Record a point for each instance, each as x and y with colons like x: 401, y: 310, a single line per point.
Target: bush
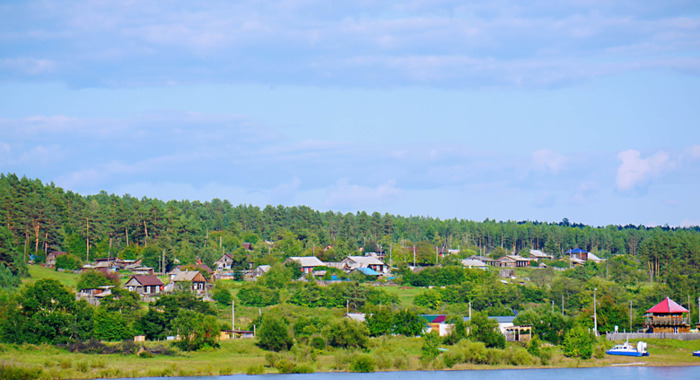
x: 222, y: 296
x: 68, y: 261
x: 303, y: 368
x: 452, y: 357
x: 475, y: 353
x: 362, y: 363
x: 348, y: 333
x: 255, y: 369
x: 258, y: 296
x: 318, y: 343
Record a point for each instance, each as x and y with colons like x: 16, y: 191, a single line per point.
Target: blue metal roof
x: 369, y: 271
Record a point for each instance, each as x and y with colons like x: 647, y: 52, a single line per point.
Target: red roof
x: 668, y: 306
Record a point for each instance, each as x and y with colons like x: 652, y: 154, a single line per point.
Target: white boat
x: 626, y: 349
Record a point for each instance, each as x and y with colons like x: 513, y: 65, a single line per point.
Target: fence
x: 678, y: 336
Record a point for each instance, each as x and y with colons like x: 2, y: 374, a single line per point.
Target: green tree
x: 45, y: 314
x: 348, y: 333
x: 483, y: 329
x: 430, y: 349
x: 408, y: 323
x: 196, y: 330
x: 578, y: 343
x: 273, y: 334
x: 70, y: 262
x: 222, y: 296
x: 380, y: 322
x: 110, y: 326
x: 257, y: 296
x: 93, y: 279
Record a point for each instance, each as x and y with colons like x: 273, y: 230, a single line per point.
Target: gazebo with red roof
x: 666, y: 317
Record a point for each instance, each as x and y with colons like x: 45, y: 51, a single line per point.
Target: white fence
x: 678, y: 336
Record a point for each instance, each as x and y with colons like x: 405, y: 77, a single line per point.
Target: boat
x: 696, y: 353
x: 626, y: 349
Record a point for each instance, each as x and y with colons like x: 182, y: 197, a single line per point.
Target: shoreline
x: 244, y: 358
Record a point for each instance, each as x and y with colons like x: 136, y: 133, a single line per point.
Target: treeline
x: 37, y: 218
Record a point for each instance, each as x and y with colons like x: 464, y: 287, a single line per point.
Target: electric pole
x: 595, y: 314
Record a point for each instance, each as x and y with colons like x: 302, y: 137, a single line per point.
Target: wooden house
x: 144, y: 285
x: 512, y: 261
x: 193, y: 280
x: 224, y: 262
x: 666, y: 317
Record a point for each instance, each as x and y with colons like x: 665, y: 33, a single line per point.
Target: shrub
x: 222, y: 296
x: 303, y: 368
x: 255, y: 369
x: 258, y: 296
x: 348, y: 333
x: 284, y: 365
x: 476, y: 353
x: 362, y: 363
x: 318, y: 342
x: 452, y: 357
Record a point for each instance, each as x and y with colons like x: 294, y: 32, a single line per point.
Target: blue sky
x: 586, y: 110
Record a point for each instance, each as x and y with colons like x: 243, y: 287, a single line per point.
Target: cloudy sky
x: 509, y: 110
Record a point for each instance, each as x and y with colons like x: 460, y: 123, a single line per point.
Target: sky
x: 508, y: 110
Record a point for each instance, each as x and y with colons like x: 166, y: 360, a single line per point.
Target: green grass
x: 36, y: 272
x: 406, y: 294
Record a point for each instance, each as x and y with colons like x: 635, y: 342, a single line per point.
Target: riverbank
x: 242, y: 356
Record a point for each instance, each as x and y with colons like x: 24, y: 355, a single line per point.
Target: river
x: 603, y: 373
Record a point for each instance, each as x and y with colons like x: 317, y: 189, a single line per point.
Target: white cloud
x: 548, y: 160
x: 635, y: 171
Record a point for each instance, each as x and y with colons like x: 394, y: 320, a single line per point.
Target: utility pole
x: 436, y: 255
x: 391, y: 249
x: 470, y: 310
x: 233, y: 317
x: 595, y: 314
x: 630, y: 315
x: 562, y: 304
x: 552, y: 306
x: 414, y: 254
x: 162, y: 267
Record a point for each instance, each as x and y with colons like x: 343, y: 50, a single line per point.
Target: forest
x: 38, y: 218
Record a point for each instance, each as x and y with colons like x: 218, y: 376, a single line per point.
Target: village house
x: 308, y: 263
x: 371, y: 262
x: 537, y: 255
x: 666, y: 317
x: 145, y: 285
x: 259, y: 271
x: 512, y: 261
x: 473, y: 263
x: 579, y: 256
x: 486, y: 260
x: 224, y: 262
x: 188, y: 280
x: 95, y: 295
